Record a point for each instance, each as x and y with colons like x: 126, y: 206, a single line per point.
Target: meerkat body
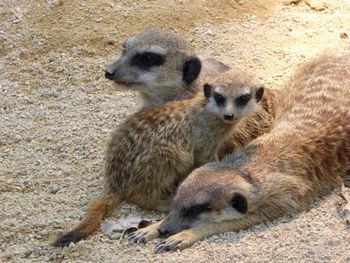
x: 279, y: 173
x: 162, y: 67
x: 155, y: 149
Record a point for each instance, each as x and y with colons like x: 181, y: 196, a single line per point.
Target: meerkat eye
x: 195, y: 210
x: 147, y: 59
x: 220, y: 100
x: 243, y: 100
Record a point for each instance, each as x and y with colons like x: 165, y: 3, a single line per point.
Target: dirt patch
x: 57, y: 112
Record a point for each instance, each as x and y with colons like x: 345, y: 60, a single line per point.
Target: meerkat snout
x: 109, y: 74
x: 228, y: 116
x: 162, y: 231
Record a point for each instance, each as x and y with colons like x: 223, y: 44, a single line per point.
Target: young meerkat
x: 161, y: 66
x: 279, y: 173
x: 155, y: 149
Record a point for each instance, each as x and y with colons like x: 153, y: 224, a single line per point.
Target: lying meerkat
x: 279, y: 173
x: 162, y: 67
x: 155, y: 149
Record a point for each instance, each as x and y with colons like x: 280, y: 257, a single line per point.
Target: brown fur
x: 279, y: 173
x: 156, y: 148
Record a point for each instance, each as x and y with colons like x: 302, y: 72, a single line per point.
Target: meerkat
x: 155, y: 149
x: 279, y: 173
x: 162, y: 67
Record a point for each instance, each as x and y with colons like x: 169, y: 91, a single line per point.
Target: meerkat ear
x: 207, y: 90
x: 191, y: 70
x: 212, y: 67
x: 259, y: 93
x: 239, y: 202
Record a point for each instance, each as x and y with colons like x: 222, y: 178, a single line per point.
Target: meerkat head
x: 155, y: 62
x: 210, y: 193
x: 233, y: 95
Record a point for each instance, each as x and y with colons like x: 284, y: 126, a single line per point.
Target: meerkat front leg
x: 146, y: 234
x: 179, y: 241
x: 187, y: 238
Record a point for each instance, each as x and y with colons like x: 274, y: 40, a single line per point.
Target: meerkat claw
x: 139, y: 240
x: 144, y: 235
x: 166, y: 246
x: 130, y: 237
x: 136, y: 238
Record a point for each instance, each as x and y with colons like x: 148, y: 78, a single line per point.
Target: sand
x: 57, y: 111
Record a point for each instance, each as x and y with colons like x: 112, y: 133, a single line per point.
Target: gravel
x: 57, y: 112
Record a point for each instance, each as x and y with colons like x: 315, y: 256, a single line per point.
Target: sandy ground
x: 57, y: 112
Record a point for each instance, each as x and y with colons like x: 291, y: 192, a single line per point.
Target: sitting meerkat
x: 155, y: 149
x: 162, y: 67
x: 279, y: 173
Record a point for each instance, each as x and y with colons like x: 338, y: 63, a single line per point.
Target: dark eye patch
x: 240, y: 203
x: 243, y: 100
x: 194, y: 210
x: 220, y: 100
x: 147, y: 60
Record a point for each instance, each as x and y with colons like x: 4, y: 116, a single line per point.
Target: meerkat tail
x: 97, y: 210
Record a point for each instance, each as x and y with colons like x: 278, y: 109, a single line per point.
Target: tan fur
x: 156, y: 148
x: 279, y: 173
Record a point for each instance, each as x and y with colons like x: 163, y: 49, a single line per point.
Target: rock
x: 343, y: 35
x: 54, y: 189
x: 66, y: 172
x: 115, y: 235
x: 72, y: 245
x: 317, y: 5
x: 44, y: 232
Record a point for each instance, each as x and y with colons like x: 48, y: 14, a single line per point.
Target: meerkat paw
x: 176, y: 242
x: 144, y: 235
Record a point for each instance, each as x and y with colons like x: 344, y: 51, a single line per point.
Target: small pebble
x: 66, y: 172
x: 344, y: 35
x: 54, y: 189
x: 116, y: 235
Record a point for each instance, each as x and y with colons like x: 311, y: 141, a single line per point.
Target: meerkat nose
x: 228, y: 116
x: 109, y: 74
x: 162, y: 231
